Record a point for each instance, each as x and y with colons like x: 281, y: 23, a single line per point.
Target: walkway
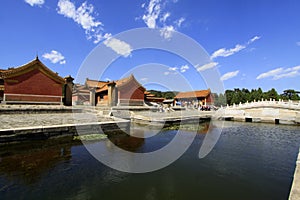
x: 295, y: 190
x: 278, y: 112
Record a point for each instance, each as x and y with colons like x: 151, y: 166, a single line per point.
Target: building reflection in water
x: 127, y: 142
x: 28, y: 161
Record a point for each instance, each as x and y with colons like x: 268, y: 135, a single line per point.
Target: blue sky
x: 251, y: 43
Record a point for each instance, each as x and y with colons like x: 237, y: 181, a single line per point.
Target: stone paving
x: 10, y: 121
x: 174, y: 114
x: 24, y: 107
x: 295, y: 190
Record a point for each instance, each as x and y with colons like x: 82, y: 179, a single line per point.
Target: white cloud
x: 84, y: 16
x: 167, y: 31
x: 286, y: 75
x: 35, y: 2
x: 207, y: 66
x: 67, y: 9
x: 165, y: 17
x: 120, y: 47
x: 229, y: 75
x: 179, y: 22
x: 55, y: 57
x: 223, y: 52
x: 155, y: 18
x: 63, y: 62
x: 152, y: 13
x: 184, y: 68
x: 173, y: 68
x: 227, y: 52
x: 254, y: 39
x: 297, y: 68
x: 280, y: 72
x: 270, y: 73
x: 144, y: 79
x: 99, y: 37
x: 298, y: 43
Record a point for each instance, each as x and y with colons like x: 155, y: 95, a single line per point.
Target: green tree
x: 259, y: 94
x: 290, y: 94
x: 229, y: 95
x: 271, y: 94
x: 219, y: 99
x: 245, y: 96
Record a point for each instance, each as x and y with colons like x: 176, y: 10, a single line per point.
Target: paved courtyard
x: 9, y: 121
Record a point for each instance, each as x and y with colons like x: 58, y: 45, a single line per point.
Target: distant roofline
x: 16, y: 71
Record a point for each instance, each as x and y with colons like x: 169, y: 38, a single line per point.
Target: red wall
x: 209, y: 99
x: 131, y: 94
x: 34, y: 82
x: 131, y: 91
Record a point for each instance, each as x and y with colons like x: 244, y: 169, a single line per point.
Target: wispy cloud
x: 223, y: 52
x: 54, y: 57
x: 206, y: 66
x: 171, y: 70
x: 227, y: 52
x: 179, y: 21
x: 280, y: 72
x: 165, y: 17
x: 287, y: 75
x: 184, y: 68
x: 144, y: 79
x: 175, y: 70
x: 253, y: 39
x: 120, y: 47
x: 229, y: 75
x: 153, y: 11
x: 35, y: 2
x: 167, y: 31
x: 155, y: 17
x: 298, y: 43
x: 84, y: 16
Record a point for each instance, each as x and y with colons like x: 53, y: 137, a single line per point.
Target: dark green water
x: 249, y: 161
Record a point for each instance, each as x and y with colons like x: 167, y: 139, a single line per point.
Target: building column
x: 93, y: 97
x: 119, y: 102
x: 112, y: 94
x: 68, y: 89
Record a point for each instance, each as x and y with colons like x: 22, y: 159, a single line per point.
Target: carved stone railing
x: 294, y: 105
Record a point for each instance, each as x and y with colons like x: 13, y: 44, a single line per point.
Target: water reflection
x: 30, y: 160
x: 250, y: 161
x: 143, y: 139
x: 127, y: 142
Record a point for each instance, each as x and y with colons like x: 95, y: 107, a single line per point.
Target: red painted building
x: 126, y: 91
x: 32, y: 83
x: 201, y: 97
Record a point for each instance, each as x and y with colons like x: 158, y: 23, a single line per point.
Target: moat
x: 249, y: 161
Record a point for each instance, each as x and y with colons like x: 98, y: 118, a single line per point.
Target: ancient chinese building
x: 34, y: 83
x: 201, y: 97
x: 124, y: 92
